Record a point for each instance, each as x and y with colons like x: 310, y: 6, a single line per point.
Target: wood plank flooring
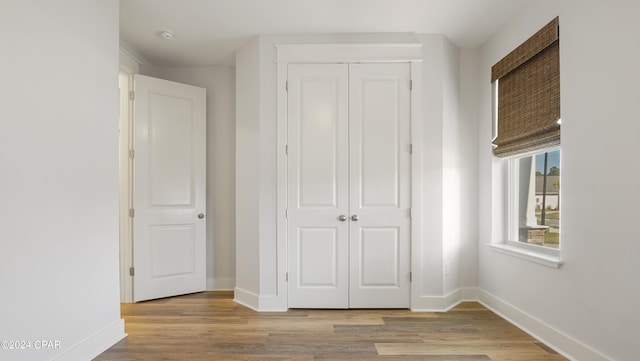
x: 210, y: 326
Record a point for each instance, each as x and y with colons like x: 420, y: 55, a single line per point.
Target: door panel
x: 380, y: 197
x: 317, y: 252
x: 172, y: 250
x: 379, y: 257
x: 169, y: 249
x: 378, y: 137
x: 318, y: 185
x: 171, y: 171
x: 317, y: 141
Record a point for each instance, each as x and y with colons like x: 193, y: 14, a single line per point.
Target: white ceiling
x: 208, y: 32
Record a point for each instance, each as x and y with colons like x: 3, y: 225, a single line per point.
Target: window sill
x: 529, y: 255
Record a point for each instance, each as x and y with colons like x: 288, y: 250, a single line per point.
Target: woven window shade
x: 529, y: 95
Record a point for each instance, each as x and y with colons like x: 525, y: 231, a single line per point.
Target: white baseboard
x: 272, y: 304
x: 258, y: 303
x: 246, y: 298
x: 95, y: 344
x: 436, y: 303
x: 557, y: 340
x: 221, y: 284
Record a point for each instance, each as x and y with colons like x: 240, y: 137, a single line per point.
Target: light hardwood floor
x: 210, y: 326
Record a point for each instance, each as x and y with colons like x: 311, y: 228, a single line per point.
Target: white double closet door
x: 349, y: 184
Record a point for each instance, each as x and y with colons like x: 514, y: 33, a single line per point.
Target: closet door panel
x: 318, y: 186
x: 380, y: 199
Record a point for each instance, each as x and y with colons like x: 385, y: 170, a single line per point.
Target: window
x: 534, y: 199
x: 527, y: 126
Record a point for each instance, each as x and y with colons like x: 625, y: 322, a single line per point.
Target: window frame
x: 550, y: 257
x: 513, y: 205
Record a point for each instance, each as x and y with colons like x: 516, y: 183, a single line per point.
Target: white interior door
x: 318, y: 167
x: 169, y: 228
x: 380, y: 185
x: 348, y: 199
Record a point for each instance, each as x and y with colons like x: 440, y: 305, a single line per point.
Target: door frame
x: 347, y: 53
x: 129, y: 65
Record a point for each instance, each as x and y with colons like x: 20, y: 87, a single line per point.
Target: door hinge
x: 132, y: 153
x: 132, y: 212
x: 410, y: 148
x: 286, y: 213
x: 132, y: 95
x: 410, y: 85
x: 286, y: 149
x: 286, y: 86
x: 286, y: 276
x: 410, y: 276
x: 132, y: 271
x: 410, y: 213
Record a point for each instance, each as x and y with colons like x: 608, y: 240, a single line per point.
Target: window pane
x: 539, y: 199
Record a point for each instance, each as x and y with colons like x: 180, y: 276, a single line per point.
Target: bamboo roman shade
x: 529, y: 94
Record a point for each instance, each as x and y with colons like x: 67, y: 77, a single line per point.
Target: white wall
x: 432, y: 268
x: 593, y: 298
x: 59, y: 183
x: 459, y: 170
x: 449, y: 190
x: 221, y: 147
x: 468, y: 131
x: 452, y: 181
x: 247, y: 170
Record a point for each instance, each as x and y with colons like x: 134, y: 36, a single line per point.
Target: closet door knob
x: 342, y: 218
x: 355, y: 218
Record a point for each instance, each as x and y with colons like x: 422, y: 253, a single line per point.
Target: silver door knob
x: 342, y: 218
x: 355, y: 218
x: 200, y: 215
